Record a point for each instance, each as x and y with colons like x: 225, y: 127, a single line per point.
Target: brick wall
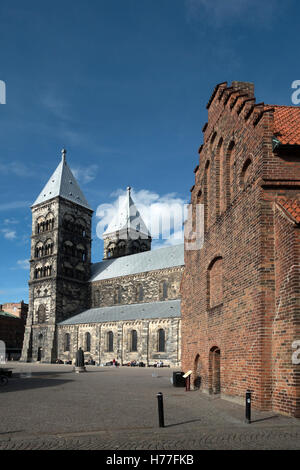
x: 229, y: 290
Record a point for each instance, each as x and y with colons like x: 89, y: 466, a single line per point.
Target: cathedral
x: 126, y: 307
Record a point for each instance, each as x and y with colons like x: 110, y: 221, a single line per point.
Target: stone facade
x: 140, y: 288
x: 60, y: 286
x: 147, y: 350
x: 59, y: 271
x: 240, y: 292
x: 143, y: 287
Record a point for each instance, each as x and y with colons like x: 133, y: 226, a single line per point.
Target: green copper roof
x: 6, y: 314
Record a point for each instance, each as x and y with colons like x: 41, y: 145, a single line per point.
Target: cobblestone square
x: 51, y: 407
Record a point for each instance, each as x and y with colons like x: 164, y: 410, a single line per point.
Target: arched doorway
x: 197, y: 372
x: 215, y: 370
x: 40, y: 353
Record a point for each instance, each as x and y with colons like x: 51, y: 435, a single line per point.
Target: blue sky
x: 123, y: 85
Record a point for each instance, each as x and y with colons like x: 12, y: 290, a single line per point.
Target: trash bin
x: 178, y: 380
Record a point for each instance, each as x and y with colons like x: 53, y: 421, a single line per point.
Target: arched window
x: 96, y: 298
x: 163, y: 290
x: 41, y: 314
x: 40, y: 225
x: 118, y: 295
x: 196, y: 213
x: 111, y: 251
x: 245, y: 173
x: 88, y: 342
x: 79, y: 272
x: 46, y: 271
x: 69, y: 248
x: 229, y: 174
x: 68, y: 223
x: 68, y: 269
x: 207, y: 196
x: 110, y: 341
x: 80, y: 227
x: 121, y: 248
x: 215, y: 282
x: 218, y: 159
x: 133, y: 340
x: 67, y: 342
x: 39, y: 250
x: 80, y: 252
x: 161, y: 340
x: 136, y: 247
x: 49, y: 225
x: 139, y: 293
x: 213, y: 138
x: 48, y: 247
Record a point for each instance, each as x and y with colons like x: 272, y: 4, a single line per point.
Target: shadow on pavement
x: 182, y: 422
x: 17, y: 384
x: 264, y: 419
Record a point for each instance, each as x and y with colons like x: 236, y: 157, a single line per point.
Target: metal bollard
x: 160, y: 410
x: 248, y: 406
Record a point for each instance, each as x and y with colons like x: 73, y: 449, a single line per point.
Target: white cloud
x: 10, y: 221
x: 55, y: 105
x: 8, y: 234
x: 14, y: 205
x: 85, y: 174
x: 163, y: 215
x: 15, y: 168
x: 23, y: 263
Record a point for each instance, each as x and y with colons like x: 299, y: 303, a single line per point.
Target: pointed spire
x: 127, y: 233
x: 62, y: 183
x: 128, y: 218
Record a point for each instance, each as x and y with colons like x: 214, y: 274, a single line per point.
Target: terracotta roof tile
x: 292, y: 206
x: 286, y: 124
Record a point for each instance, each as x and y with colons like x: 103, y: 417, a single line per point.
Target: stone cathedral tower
x: 60, y: 262
x: 127, y: 233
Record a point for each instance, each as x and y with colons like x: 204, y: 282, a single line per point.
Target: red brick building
x: 12, y: 327
x: 240, y: 291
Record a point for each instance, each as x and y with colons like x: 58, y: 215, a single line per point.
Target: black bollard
x: 160, y: 410
x: 248, y: 406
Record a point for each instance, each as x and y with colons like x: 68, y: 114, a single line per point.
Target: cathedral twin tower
x: 60, y: 261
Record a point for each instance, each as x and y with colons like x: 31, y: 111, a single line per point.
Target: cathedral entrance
x: 215, y: 370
